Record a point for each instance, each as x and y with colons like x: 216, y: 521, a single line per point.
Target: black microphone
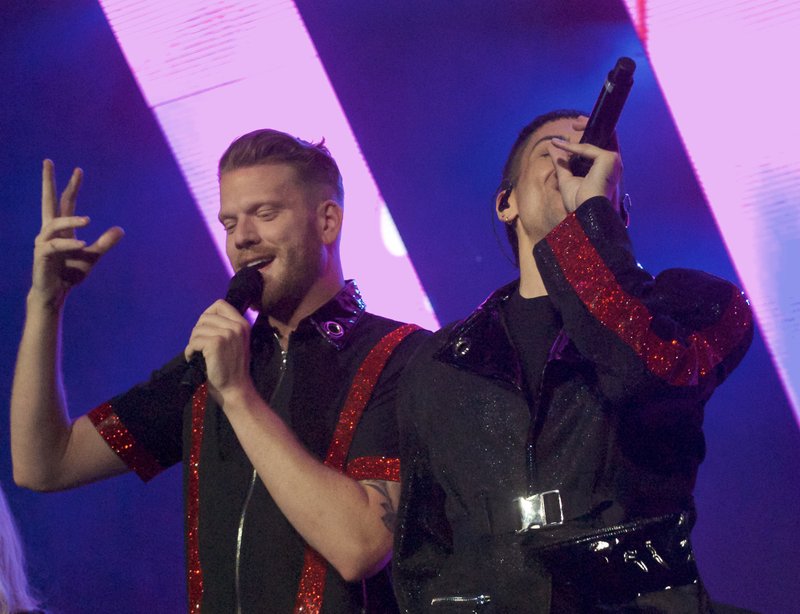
x: 606, y: 112
x: 244, y: 291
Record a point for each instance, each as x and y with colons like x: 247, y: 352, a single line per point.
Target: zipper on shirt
x: 474, y: 600
x: 253, y: 478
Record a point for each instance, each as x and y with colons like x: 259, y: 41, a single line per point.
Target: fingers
x: 580, y: 123
x: 582, y: 149
x: 70, y: 195
x: 60, y: 233
x: 62, y: 227
x: 107, y: 240
x: 220, y: 320
x: 48, y: 192
x: 49, y: 199
x: 62, y: 246
x: 560, y: 159
x: 224, y: 315
x: 609, y: 160
x: 601, y: 180
x: 222, y: 336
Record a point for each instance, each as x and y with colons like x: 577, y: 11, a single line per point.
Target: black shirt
x: 533, y: 324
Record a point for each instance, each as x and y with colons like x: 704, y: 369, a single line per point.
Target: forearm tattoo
x: 389, y: 517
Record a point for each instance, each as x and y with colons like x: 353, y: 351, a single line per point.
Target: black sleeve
x: 681, y: 332
x: 144, y: 425
x: 376, y: 435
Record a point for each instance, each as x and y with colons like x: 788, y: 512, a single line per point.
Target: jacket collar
x: 336, y: 319
x: 480, y: 343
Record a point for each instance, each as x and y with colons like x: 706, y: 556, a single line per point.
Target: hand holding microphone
x: 605, y: 114
x: 244, y: 291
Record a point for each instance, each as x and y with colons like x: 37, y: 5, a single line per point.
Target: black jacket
x: 616, y: 427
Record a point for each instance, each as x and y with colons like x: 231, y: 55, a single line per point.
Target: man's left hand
x: 601, y: 180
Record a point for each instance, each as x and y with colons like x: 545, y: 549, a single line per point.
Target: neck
x: 530, y: 280
x: 323, y: 290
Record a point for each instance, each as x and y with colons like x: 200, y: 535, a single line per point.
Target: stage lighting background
x: 434, y: 98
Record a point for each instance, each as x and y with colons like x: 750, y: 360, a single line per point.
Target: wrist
x: 239, y: 397
x: 42, y: 302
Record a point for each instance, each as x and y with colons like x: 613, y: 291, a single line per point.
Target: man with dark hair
x: 550, y: 441
x: 290, y: 446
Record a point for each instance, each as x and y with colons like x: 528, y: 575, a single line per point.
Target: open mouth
x: 258, y: 264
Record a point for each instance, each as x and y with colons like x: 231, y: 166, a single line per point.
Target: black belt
x: 493, y: 516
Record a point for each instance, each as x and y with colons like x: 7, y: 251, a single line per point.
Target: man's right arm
x: 48, y: 451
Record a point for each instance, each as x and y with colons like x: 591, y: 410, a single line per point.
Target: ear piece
x: 504, y: 201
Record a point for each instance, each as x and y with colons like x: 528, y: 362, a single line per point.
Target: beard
x: 302, y: 266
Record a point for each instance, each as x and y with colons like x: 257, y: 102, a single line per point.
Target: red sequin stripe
x: 312, y: 583
x: 629, y: 318
x: 312, y: 579
x: 121, y: 440
x: 195, y: 572
x: 374, y: 468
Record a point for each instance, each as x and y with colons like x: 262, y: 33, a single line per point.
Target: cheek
x: 230, y: 248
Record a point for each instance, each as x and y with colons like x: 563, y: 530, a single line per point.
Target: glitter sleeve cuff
x: 591, y: 251
x: 122, y: 442
x: 374, y: 468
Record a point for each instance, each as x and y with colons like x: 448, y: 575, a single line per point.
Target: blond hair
x: 15, y: 594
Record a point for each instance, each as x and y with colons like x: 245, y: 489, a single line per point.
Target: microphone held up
x: 605, y: 114
x: 244, y: 291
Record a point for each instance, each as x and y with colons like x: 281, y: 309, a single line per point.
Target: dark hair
x: 312, y: 161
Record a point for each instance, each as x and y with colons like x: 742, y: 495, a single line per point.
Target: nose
x: 245, y: 234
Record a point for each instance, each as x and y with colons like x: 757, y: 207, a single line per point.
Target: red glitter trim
x: 312, y: 583
x: 360, y: 393
x: 630, y: 319
x: 312, y: 580
x: 374, y: 468
x: 195, y: 572
x: 122, y: 441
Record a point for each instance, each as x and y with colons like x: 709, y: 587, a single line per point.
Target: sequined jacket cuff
x: 683, y: 328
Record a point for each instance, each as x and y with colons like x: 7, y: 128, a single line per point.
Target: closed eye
x: 269, y: 214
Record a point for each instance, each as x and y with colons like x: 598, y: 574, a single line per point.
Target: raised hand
x: 601, y: 180
x: 60, y: 259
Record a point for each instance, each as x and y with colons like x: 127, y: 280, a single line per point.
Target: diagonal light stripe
x: 212, y: 70
x: 724, y: 67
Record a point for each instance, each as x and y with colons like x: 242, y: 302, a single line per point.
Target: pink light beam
x: 726, y: 69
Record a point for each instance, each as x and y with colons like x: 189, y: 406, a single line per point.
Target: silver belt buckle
x: 533, y: 512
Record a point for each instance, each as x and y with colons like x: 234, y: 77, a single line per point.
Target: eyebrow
x: 550, y: 138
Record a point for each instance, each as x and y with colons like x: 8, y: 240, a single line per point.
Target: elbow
x: 363, y: 562
x: 33, y: 480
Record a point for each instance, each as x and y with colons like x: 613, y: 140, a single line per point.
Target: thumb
x: 107, y: 240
